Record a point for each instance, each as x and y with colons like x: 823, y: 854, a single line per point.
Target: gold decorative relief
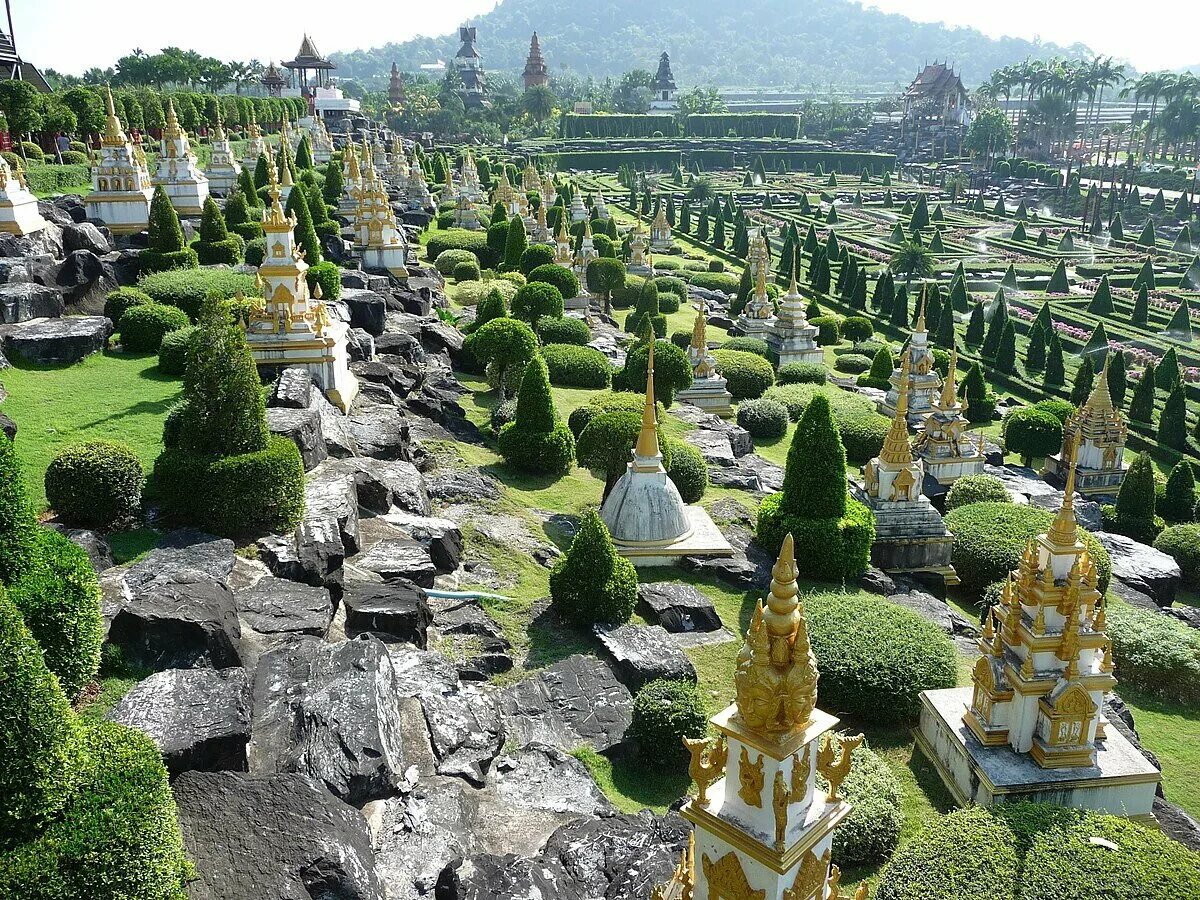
x: 801, y: 769
x: 835, y: 768
x: 751, y: 777
x: 810, y: 879
x: 727, y: 880
x: 707, y: 763
x: 780, y: 798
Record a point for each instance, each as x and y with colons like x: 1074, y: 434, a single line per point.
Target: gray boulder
x: 329, y: 711
x: 574, y: 701
x: 278, y: 837
x: 461, y: 485
x: 303, y: 428
x: 198, y: 718
x: 937, y: 611
x: 280, y: 608
x: 86, y: 281
x: 1142, y: 568
x: 57, y: 341
x: 643, y: 653
x: 678, y: 607
x: 385, y: 484
x: 395, y: 610
x: 97, y: 548
x: 293, y: 389
x: 380, y: 431
x: 85, y: 236
x: 7, y: 425
x: 466, y: 634
x: 23, y: 300
x: 368, y: 310
x: 360, y: 345
x: 399, y: 558
x: 713, y: 446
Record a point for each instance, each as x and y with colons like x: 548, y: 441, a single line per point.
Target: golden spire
x: 220, y: 135
x: 1063, y: 531
x: 172, y: 129
x: 949, y: 388
x: 352, y: 171
x: 699, y: 331
x: 793, y: 288
x: 760, y: 280
x: 274, y: 216
x: 113, y: 135
x: 921, y: 316
x: 647, y: 442
x: 286, y: 178
x: 896, y: 450
x: 776, y: 678
x: 587, y: 229
x: 562, y: 237
x: 1100, y: 400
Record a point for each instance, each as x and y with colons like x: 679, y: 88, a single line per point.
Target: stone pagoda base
x: 709, y: 394
x: 1089, y: 482
x: 20, y: 216
x: 643, y: 271
x: 325, y: 358
x: 186, y: 196
x: 221, y: 181
x: 1122, y: 783
x: 910, y: 536
x: 947, y: 471
x: 795, y: 347
x: 125, y: 213
x: 703, y: 538
x: 755, y: 328
x: 391, y: 259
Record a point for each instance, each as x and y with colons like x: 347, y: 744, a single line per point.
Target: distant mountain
x: 745, y: 43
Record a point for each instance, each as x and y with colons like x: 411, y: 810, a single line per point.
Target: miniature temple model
x: 223, y: 169
x: 763, y: 826
x: 536, y: 73
x: 638, y: 263
x: 178, y: 172
x: 469, y: 66
x: 647, y: 518
x: 921, y: 383
x: 943, y: 445
x: 662, y: 89
x: 577, y: 209
x: 708, y: 390
x: 660, y: 232
x: 290, y: 326
x: 600, y: 207
x: 1032, y: 725
x: 758, y: 318
x: 121, y: 188
x: 540, y: 233
x: 379, y: 241
x: 562, y: 245
x: 18, y: 206
x: 791, y: 338
x: 255, y: 146
x: 351, y: 182
x: 910, y: 535
x: 1100, y: 433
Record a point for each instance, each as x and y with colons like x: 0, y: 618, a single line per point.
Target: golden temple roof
x: 647, y: 442
x: 896, y: 449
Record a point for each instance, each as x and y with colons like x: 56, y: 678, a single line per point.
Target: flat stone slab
x: 1142, y: 567
x: 644, y: 653
x: 678, y: 607
x: 22, y: 301
x: 277, y: 606
x: 713, y: 446
x: 57, y: 341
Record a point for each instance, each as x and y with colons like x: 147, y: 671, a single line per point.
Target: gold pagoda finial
x: 949, y: 388
x: 286, y: 178
x: 1100, y: 400
x: 220, y: 126
x: 352, y: 170
x: 172, y: 129
x: 113, y: 135
x: 776, y: 677
x: 921, y: 315
x: 562, y: 237
x: 647, y: 442
x: 699, y: 331
x: 1063, y: 530
x: 896, y: 450
x: 587, y: 229
x: 793, y: 288
x: 760, y: 280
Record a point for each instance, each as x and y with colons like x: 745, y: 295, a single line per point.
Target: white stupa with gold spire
x: 379, y: 240
x: 709, y: 390
x: 531, y: 179
x: 319, y: 139
x: 759, y: 254
x: 577, y: 210
x: 944, y: 444
x: 763, y: 826
x: 1032, y: 725
x: 18, y: 206
x: 286, y: 183
x: 549, y: 191
x: 660, y: 232
x: 255, y: 145
x: 541, y: 229
x: 922, y: 383
x: 178, y: 172
x: 121, y: 185
x: 351, y: 182
x: 648, y: 520
x: 910, y: 535
x: 468, y: 184
x: 792, y: 338
x: 600, y: 206
x: 506, y: 195
x: 638, y: 263
x: 418, y: 194
x: 758, y: 318
x: 1100, y: 433
x: 223, y: 169
x: 290, y: 326
x: 562, y: 245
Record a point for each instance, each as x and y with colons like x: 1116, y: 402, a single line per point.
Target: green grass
x: 108, y: 396
x: 1172, y: 731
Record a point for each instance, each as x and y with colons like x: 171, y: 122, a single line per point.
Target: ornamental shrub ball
x: 763, y: 418
x: 559, y: 276
x: 872, y: 830
x: 448, y: 259
x: 1178, y: 502
x: 537, y: 440
x: 534, y: 256
x: 1155, y: 654
x: 1182, y: 543
x: 562, y: 331
x: 801, y: 373
x: 686, y: 468
x: 665, y: 711
x: 880, y: 374
x: 591, y: 583
x: 857, y: 328
x: 143, y: 327
x: 605, y: 442
x: 216, y: 246
x: 828, y: 330
x: 1060, y: 409
x: 875, y: 656
x: 605, y: 277
x: 95, y: 484
x: 190, y: 289
x: 327, y: 275
x: 852, y: 363
x: 467, y: 270
x: 747, y: 375
x: 167, y: 249
x: 122, y: 299
x: 672, y: 370
x: 502, y: 345
x: 1030, y: 432
x: 977, y: 489
x: 172, y: 352
x: 535, y: 301
x: 571, y: 365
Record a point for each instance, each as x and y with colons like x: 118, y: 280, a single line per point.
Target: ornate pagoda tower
x: 549, y: 192
x: 290, y: 326
x: 660, y: 231
x: 418, y: 195
x: 531, y: 179
x: 1099, y: 432
x: 662, y: 89
x: 322, y: 142
x: 638, y: 244
x: 536, y: 73
x: 18, y: 206
x: 910, y: 536
x: 1032, y: 726
x: 379, y: 240
x: 541, y: 229
x: 223, y: 169
x: 760, y: 252
x: 505, y: 193
x: 562, y: 245
x: 469, y: 65
x: 577, y: 209
x: 763, y: 827
x: 469, y: 184
x: 272, y: 80
x: 791, y: 338
x: 352, y: 182
x: 396, y: 99
x: 758, y: 318
x: 943, y: 445
x: 708, y: 390
x: 255, y: 146
x: 178, y: 172
x: 121, y: 187
x: 922, y: 384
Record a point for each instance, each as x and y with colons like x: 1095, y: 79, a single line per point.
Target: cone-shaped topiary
x: 1096, y: 347
x: 1058, y: 281
x: 1178, y: 503
x: 1180, y: 326
x: 1006, y: 350
x: 1141, y: 306
x: 17, y: 524
x: 1166, y: 374
x: 1158, y: 204
x: 1147, y: 237
x: 591, y: 583
x: 1102, y: 304
x: 899, y: 315
x: 1010, y: 278
x: 1135, y: 507
x: 1018, y: 233
x: 238, y: 216
x: 537, y: 440
x: 647, y: 308
x: 1118, y: 382
x: 858, y: 297
x: 976, y: 325
x: 880, y: 374
x: 995, y: 326
x: 884, y: 294
x: 1081, y: 387
x: 245, y: 184
x: 981, y: 402
x: 1035, y: 351
x: 1145, y: 276
x: 260, y: 173
x: 167, y: 249
x: 814, y: 484
x: 1117, y: 229
x: 1056, y: 373
x: 306, y: 234
x: 1172, y: 425
x: 490, y: 307
x: 514, y: 245
x: 304, y: 157
x: 216, y: 245
x: 334, y: 184
x: 1141, y: 406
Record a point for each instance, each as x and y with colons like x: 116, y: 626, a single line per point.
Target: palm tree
x: 538, y: 103
x: 912, y: 259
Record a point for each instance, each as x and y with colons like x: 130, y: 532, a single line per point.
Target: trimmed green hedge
x: 845, y: 542
x: 977, y: 489
x: 875, y: 656
x: 801, y: 373
x: 747, y: 374
x: 188, y: 288
x: 872, y: 830
x: 598, y: 126
x: 1182, y: 543
x: 664, y: 713
x: 53, y: 179
x: 95, y: 484
x: 122, y: 299
x: 763, y: 418
x: 462, y: 239
x: 143, y: 326
x: 574, y: 366
x: 686, y: 468
x: 172, y: 352
x: 1155, y: 653
x: 563, y: 331
x: 861, y: 428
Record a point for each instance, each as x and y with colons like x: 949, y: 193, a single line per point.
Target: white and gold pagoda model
x: 469, y: 182
x: 660, y: 231
x: 648, y: 520
x: 507, y: 195
x: 255, y: 145
x: 639, y: 264
x: 578, y: 211
x: 758, y: 318
x: 763, y: 826
x: 922, y: 383
x: 178, y: 173
x: 600, y: 206
x: 352, y: 182
x: 759, y: 254
x: 465, y: 214
x: 18, y: 207
x: 121, y: 186
x: 1100, y: 451
x: 549, y: 192
x: 223, y: 169
x: 1032, y: 725
x: 397, y: 171
x: 580, y: 260
x: 290, y: 326
x: 708, y: 390
x: 562, y: 245
x: 541, y: 230
x: 319, y: 140
x: 944, y: 444
x: 285, y: 170
x: 531, y: 179
x: 418, y: 195
x: 791, y: 338
x: 379, y: 241
x: 910, y: 535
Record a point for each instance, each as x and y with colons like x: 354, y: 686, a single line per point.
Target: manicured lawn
x: 108, y: 396
x: 1172, y: 731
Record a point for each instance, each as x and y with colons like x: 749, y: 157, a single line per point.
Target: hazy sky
x: 72, y: 35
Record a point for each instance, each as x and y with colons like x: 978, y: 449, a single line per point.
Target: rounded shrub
x: 534, y: 256
x: 559, y: 276
x: 763, y: 418
x: 95, y: 484
x: 665, y: 711
x: 857, y: 328
x: 256, y: 251
x: 801, y: 373
x: 672, y: 371
x: 1154, y: 653
x: 143, y: 327
x: 716, y: 281
x: 977, y: 489
x: 872, y: 830
x: 748, y: 345
x: 603, y: 402
x: 748, y: 375
x: 471, y: 293
x: 989, y: 539
x: 627, y: 294
x: 1030, y: 432
x: 563, y: 331
x: 465, y: 271
x: 448, y: 259
x: 537, y: 440
x: 515, y: 277
x: 535, y: 301
x: 1182, y: 543
x: 591, y: 583
x: 828, y: 330
x: 172, y: 352
x: 966, y: 855
x: 574, y: 366
x: 686, y: 468
x: 60, y: 599
x: 876, y: 656
x: 852, y: 363
x: 1060, y: 409
x: 122, y: 299
x: 189, y: 288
